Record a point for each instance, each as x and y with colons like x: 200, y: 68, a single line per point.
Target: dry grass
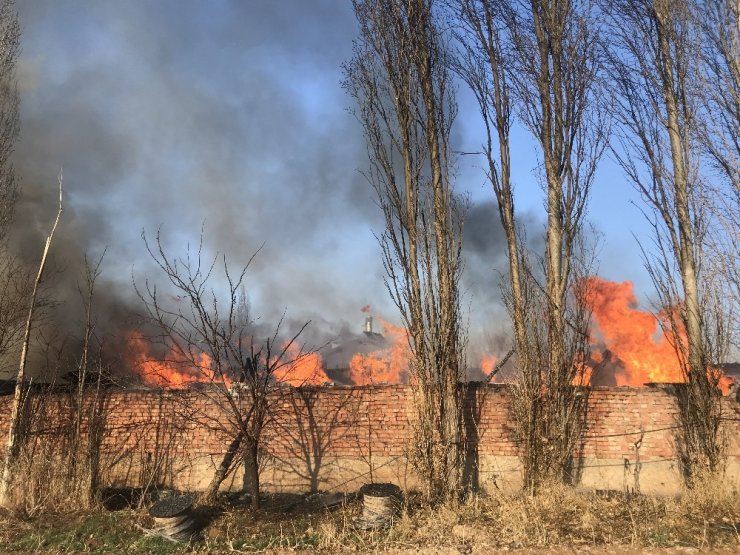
x: 560, y: 516
x: 45, y: 481
x: 39, y: 484
x: 57, y: 469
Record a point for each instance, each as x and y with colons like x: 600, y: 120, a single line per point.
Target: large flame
x: 178, y: 371
x: 632, y: 335
x: 389, y: 365
x: 173, y: 371
x: 633, y: 340
x: 299, y: 368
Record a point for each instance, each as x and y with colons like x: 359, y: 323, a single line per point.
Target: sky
x: 230, y: 116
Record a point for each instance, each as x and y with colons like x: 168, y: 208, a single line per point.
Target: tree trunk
x: 252, y: 473
x: 448, y: 371
x: 697, y: 370
x: 209, y: 495
x: 399, y: 78
x: 19, y: 397
x: 700, y: 413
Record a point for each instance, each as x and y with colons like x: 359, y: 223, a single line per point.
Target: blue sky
x: 174, y: 113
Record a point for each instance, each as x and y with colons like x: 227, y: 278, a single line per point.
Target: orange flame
x: 633, y: 337
x: 300, y: 368
x: 723, y: 381
x: 388, y: 365
x: 173, y: 371
x: 176, y: 371
x: 487, y: 364
x: 584, y: 371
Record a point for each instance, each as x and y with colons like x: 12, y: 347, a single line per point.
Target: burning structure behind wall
x: 627, y: 349
x: 628, y: 346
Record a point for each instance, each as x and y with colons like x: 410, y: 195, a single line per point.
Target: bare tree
x: 483, y: 64
x: 211, y: 338
x: 719, y: 24
x: 655, y: 66
x: 13, y: 277
x: 13, y: 293
x: 399, y: 78
x: 84, y: 456
x: 541, y: 60
x: 15, y: 432
x: 10, y: 39
x: 556, y: 75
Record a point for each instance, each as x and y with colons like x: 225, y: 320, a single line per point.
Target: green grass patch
x: 96, y: 532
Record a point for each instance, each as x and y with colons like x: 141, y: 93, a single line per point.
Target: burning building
x: 628, y: 348
x: 369, y: 357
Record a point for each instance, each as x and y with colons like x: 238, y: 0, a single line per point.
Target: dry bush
x: 559, y: 514
x: 562, y: 515
x: 709, y: 495
x: 57, y: 470
x: 40, y: 483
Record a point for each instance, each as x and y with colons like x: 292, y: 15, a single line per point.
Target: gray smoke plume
x: 181, y: 114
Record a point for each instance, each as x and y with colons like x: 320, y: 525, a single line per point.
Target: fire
x: 174, y: 371
x: 388, y: 365
x: 584, y: 371
x: 177, y: 371
x: 487, y: 364
x: 632, y: 337
x: 300, y: 368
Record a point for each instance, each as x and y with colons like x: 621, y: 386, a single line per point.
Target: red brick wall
x: 620, y: 417
x: 320, y: 437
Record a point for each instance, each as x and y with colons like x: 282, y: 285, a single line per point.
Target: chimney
x: 369, y: 324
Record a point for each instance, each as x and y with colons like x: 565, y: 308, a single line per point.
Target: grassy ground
x: 559, y: 518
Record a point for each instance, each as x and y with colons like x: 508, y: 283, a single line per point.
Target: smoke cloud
x: 179, y: 114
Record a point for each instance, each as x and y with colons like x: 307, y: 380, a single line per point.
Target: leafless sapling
x: 211, y: 336
x: 15, y: 434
